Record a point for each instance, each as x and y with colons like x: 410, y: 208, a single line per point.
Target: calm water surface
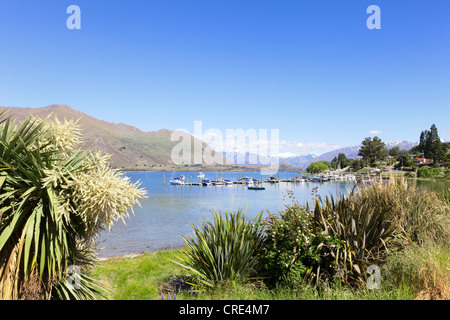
x: 169, y: 210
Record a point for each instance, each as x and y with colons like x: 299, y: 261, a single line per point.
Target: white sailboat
x: 201, y: 175
x: 228, y: 182
x: 177, y: 180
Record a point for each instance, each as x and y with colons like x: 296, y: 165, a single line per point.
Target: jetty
x: 290, y: 178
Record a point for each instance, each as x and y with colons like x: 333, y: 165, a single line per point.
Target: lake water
x: 169, y: 210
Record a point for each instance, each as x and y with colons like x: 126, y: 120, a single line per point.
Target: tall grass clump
x: 423, y: 271
x: 224, y: 249
x: 423, y: 214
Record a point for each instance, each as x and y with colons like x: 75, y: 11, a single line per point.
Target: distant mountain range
x: 132, y: 148
x: 128, y: 146
x: 350, y: 152
x: 303, y: 161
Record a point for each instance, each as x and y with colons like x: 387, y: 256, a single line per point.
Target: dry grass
x: 422, y: 213
x: 435, y: 279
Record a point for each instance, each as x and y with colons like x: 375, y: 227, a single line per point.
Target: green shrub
x: 435, y: 171
x: 296, y: 249
x: 225, y: 249
x: 423, y: 172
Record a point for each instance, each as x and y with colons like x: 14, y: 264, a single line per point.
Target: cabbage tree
x: 54, y: 200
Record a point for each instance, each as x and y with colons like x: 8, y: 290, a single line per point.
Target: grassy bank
x: 138, y: 277
x: 414, y: 274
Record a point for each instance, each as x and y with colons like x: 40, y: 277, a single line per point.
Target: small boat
x: 206, y: 182
x: 320, y: 178
x: 247, y: 180
x: 298, y: 179
x: 218, y: 182
x: 177, y: 180
x: 273, y: 179
x: 256, y: 188
x: 201, y: 175
x: 228, y: 182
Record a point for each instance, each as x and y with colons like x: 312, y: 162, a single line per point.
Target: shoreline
x: 135, y: 255
x: 205, y: 169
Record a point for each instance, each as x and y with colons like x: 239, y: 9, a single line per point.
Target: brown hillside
x: 128, y: 146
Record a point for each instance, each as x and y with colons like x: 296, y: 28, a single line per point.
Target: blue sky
x: 311, y: 69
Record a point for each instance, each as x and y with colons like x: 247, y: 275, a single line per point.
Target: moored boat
x: 206, y: 182
x: 218, y: 182
x: 320, y: 178
x: 177, y: 180
x: 228, y: 182
x: 256, y: 188
x: 201, y: 175
x: 247, y: 180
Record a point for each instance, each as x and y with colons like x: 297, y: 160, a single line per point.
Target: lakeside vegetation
x: 303, y: 253
x: 430, y: 159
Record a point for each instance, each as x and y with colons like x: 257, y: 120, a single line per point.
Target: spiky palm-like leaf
x: 40, y: 220
x: 224, y: 249
x: 367, y: 226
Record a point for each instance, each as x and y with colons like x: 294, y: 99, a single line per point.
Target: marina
x: 170, y: 210
x: 178, y: 200
x: 300, y: 177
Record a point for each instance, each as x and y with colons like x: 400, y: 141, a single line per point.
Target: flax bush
x: 225, y: 249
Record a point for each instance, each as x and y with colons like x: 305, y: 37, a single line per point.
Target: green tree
x: 434, y: 148
x: 318, y: 166
x: 356, y: 165
x: 394, y: 151
x: 447, y: 160
x: 54, y: 201
x: 373, y: 149
x: 333, y: 163
x: 405, y: 161
x: 430, y: 145
x: 422, y: 142
x: 342, y: 160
